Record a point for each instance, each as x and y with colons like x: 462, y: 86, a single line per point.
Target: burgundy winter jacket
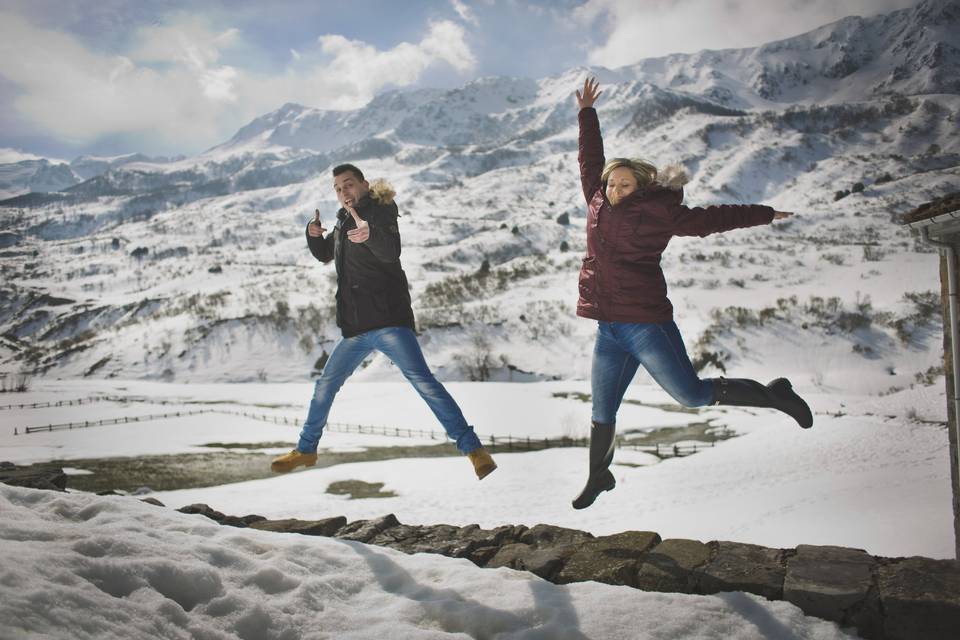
x: 621, y: 279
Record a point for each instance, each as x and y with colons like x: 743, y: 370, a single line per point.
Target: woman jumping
x: 633, y: 210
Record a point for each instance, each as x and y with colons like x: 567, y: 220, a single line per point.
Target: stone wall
x: 883, y: 598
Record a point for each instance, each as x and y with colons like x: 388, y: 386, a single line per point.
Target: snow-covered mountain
x: 195, y: 268
x: 22, y: 174
x: 39, y: 175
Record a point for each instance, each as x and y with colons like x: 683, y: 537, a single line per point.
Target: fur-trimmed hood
x: 382, y: 191
x: 673, y: 177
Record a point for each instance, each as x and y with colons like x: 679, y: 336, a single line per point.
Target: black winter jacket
x: 372, y: 290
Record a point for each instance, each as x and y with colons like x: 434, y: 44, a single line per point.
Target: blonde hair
x: 643, y: 171
x: 673, y: 176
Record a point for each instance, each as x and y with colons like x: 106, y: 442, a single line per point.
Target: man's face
x: 349, y: 188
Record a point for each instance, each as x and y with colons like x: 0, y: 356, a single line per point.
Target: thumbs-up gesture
x: 315, y: 228
x: 362, y: 232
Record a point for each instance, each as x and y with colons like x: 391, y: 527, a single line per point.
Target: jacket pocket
x: 370, y: 305
x: 588, y: 280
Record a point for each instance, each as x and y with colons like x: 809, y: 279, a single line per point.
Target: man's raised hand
x: 362, y: 232
x: 315, y: 228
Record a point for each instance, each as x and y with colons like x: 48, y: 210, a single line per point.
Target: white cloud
x: 637, y: 30
x: 466, y: 13
x: 173, y: 91
x: 8, y: 155
x: 345, y: 74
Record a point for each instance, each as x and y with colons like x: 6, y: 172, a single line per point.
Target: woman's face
x: 620, y: 184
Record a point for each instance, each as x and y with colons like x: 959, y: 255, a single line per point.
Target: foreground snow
x: 82, y: 566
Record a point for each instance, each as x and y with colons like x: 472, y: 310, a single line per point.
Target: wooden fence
x: 494, y: 443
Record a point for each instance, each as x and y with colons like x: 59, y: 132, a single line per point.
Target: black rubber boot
x: 779, y: 394
x: 601, y: 455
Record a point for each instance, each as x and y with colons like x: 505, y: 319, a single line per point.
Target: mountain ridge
x: 195, y: 268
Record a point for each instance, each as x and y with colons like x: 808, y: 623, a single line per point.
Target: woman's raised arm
x: 591, y: 143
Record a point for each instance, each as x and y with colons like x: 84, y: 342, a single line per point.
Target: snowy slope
x: 195, y: 268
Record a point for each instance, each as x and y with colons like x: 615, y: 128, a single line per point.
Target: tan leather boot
x: 483, y: 464
x: 290, y: 461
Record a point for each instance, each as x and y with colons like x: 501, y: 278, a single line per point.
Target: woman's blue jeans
x: 623, y: 346
x: 401, y: 346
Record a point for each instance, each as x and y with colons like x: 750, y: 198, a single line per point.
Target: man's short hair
x: 343, y: 168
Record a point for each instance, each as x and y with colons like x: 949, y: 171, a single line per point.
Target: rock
x: 670, y: 566
x: 44, y: 476
x: 611, y: 559
x: 546, y: 562
x: 543, y: 550
x: 833, y: 583
x: 438, y: 538
x: 481, y: 556
x: 484, y: 543
x: 241, y: 522
x: 743, y: 567
x: 366, y: 530
x: 399, y: 536
x: 920, y: 598
x: 326, y: 527
x: 455, y: 542
x: 547, y: 534
x: 510, y: 555
x: 204, y: 510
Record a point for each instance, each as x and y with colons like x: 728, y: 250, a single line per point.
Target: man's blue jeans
x: 623, y: 346
x: 401, y: 346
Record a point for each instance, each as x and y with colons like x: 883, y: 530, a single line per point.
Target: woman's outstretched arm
x: 702, y: 221
x: 591, y: 143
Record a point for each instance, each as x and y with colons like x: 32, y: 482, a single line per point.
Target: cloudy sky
x: 178, y: 76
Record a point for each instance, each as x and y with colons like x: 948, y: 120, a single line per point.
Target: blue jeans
x: 401, y: 346
x: 623, y: 346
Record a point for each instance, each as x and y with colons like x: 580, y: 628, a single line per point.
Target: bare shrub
x: 477, y: 359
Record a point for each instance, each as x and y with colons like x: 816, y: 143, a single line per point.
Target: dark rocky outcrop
x: 326, y: 527
x: 736, y: 566
x: 49, y: 477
